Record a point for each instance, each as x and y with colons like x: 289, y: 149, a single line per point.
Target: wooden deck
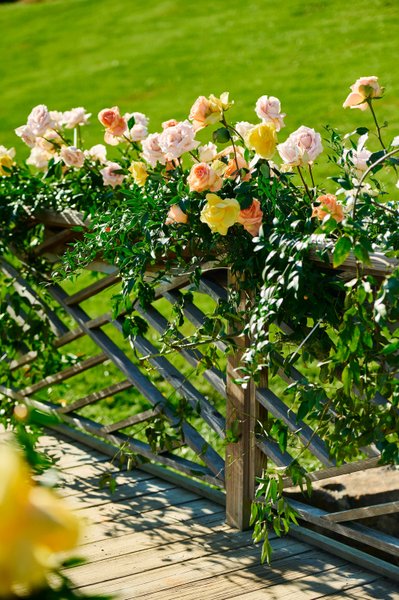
x: 153, y: 540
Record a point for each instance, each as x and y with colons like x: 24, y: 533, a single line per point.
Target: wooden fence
x: 194, y: 453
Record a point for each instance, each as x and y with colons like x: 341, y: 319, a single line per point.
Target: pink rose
x: 242, y: 128
x: 169, y: 123
x: 268, y: 108
x: 112, y: 120
x: 302, y: 147
x: 202, y: 177
x: 365, y: 88
x: 139, y: 130
x: 251, y: 218
x: 176, y: 215
x: 72, y: 156
x: 26, y: 135
x: 234, y: 166
x: 328, y: 206
x: 40, y: 120
x: 152, y: 152
x: 97, y: 152
x: 39, y: 157
x: 74, y: 117
x: 175, y: 141
x: 111, y: 174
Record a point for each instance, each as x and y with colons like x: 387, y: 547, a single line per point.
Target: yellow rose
x: 208, y: 111
x: 220, y: 214
x: 6, y: 160
x: 34, y: 526
x: 139, y: 172
x: 263, y: 139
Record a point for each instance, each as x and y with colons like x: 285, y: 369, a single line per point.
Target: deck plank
x: 154, y: 540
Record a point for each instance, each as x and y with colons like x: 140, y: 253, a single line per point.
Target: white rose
x: 40, y: 120
x: 50, y: 141
x: 175, y: 141
x: 57, y: 118
x: 268, y: 108
x: 97, y: 152
x: 242, y: 128
x: 207, y: 152
x: 39, y: 157
x: 139, y: 130
x: 74, y: 117
x: 111, y: 176
x: 72, y: 156
x: 152, y: 152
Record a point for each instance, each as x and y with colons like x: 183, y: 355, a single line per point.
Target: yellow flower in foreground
x: 34, y: 526
x: 263, y: 139
x: 139, y: 172
x: 220, y: 214
x: 6, y: 160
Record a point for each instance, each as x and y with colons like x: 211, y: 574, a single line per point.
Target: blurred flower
x: 139, y: 130
x: 328, y: 206
x: 74, y: 117
x: 6, y: 160
x: 207, y: 152
x: 139, y: 172
x: 112, y: 175
x: 97, y: 152
x: 112, y: 121
x: 152, y: 152
x: 40, y: 120
x: 208, y: 111
x: 35, y: 525
x: 176, y: 215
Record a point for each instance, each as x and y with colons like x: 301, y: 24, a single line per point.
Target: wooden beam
x: 363, y: 512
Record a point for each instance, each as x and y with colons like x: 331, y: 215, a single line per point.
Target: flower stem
x: 370, y: 103
x: 305, y: 185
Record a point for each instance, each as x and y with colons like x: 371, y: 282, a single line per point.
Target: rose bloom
x: 139, y: 172
x: 74, y: 117
x: 175, y: 141
x: 208, y: 111
x: 39, y: 157
x: 302, y: 147
x: 112, y: 120
x: 251, y: 218
x: 152, y: 152
x: 365, y: 88
x: 202, y: 177
x: 242, y: 128
x: 58, y: 118
x: 263, y: 139
x: 328, y: 206
x: 268, y: 108
x: 26, y: 135
x: 176, y: 215
x: 97, y: 152
x: 139, y: 130
x: 35, y: 527
x: 169, y: 123
x: 40, y: 120
x: 72, y: 156
x: 49, y: 141
x: 111, y: 176
x: 207, y: 152
x: 220, y: 214
x: 233, y: 167
x: 6, y: 160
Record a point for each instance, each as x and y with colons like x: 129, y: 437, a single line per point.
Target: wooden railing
x: 196, y: 450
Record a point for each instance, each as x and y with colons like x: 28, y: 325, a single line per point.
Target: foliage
x: 169, y: 205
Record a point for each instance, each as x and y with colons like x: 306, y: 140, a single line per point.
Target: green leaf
x: 221, y: 135
x: 362, y: 254
x: 131, y: 122
x: 341, y: 250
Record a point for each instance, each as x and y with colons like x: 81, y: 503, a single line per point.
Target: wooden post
x: 244, y: 461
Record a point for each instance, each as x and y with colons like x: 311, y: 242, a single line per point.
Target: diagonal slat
x: 96, y: 396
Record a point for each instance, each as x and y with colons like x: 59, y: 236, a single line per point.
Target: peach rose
x: 208, y: 111
x: 365, y: 88
x: 202, y: 177
x: 220, y: 214
x: 251, y: 218
x: 112, y: 121
x: 233, y: 167
x: 111, y: 174
x: 207, y: 152
x: 268, y: 108
x: 169, y: 123
x: 328, y: 206
x: 72, y: 157
x: 176, y: 215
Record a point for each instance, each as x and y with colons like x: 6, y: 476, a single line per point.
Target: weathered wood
x: 278, y: 409
x: 84, y: 365
x: 271, y: 450
x: 93, y: 289
x: 96, y: 396
x: 130, y: 421
x: 363, y: 512
x: 322, y: 474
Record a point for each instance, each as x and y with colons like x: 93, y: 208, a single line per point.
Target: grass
x: 159, y: 56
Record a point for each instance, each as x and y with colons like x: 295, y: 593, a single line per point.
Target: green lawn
x: 158, y: 56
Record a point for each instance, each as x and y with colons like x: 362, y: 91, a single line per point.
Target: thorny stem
x: 370, y: 103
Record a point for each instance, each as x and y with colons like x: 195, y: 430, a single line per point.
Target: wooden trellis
x: 244, y: 458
